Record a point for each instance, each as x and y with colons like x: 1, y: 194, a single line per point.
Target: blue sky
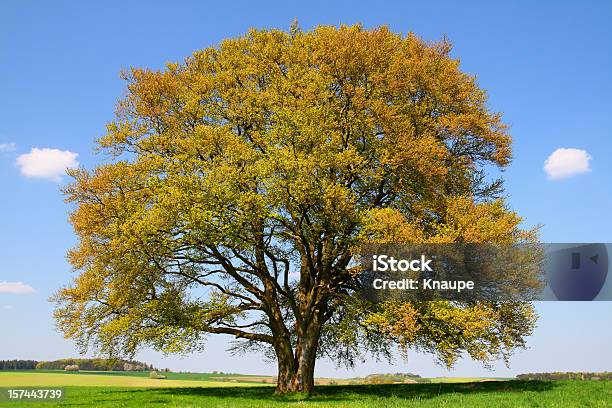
x: 546, y: 66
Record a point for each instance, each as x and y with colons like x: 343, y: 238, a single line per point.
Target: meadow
x: 86, y: 389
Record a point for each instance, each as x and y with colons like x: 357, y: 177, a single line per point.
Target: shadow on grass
x: 353, y: 392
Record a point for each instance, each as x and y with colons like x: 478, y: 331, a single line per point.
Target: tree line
x: 92, y: 364
x: 566, y: 376
x: 17, y: 364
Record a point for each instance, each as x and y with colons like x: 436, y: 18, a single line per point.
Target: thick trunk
x: 287, y: 367
x: 296, y: 370
x: 295, y: 375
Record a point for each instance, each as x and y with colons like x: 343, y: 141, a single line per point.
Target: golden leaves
x: 321, y: 140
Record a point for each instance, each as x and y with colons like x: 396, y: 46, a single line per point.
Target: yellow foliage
x: 276, y: 154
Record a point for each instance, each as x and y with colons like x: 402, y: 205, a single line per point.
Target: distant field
x: 464, y: 379
x: 143, y: 374
x: 178, y: 379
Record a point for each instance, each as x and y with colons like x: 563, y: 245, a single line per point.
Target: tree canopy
x: 239, y: 185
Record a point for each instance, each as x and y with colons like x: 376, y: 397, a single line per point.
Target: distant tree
x: 156, y: 376
x: 245, y: 180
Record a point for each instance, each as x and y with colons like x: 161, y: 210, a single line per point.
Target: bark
x: 296, y: 374
x: 296, y: 368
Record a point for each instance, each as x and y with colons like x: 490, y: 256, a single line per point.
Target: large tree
x: 240, y: 184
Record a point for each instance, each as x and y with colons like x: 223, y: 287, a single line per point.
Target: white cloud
x: 8, y: 307
x: 47, y: 163
x: 563, y: 163
x: 15, y: 288
x: 7, y: 147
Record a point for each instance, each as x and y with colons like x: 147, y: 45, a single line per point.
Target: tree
x: 241, y: 183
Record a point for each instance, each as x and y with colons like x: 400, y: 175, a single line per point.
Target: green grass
x: 501, y: 394
x: 122, y: 391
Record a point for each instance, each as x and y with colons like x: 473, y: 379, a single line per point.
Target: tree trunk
x: 295, y: 375
x: 286, y: 367
x: 296, y: 370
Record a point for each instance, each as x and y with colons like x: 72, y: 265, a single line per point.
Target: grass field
x: 109, y: 390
